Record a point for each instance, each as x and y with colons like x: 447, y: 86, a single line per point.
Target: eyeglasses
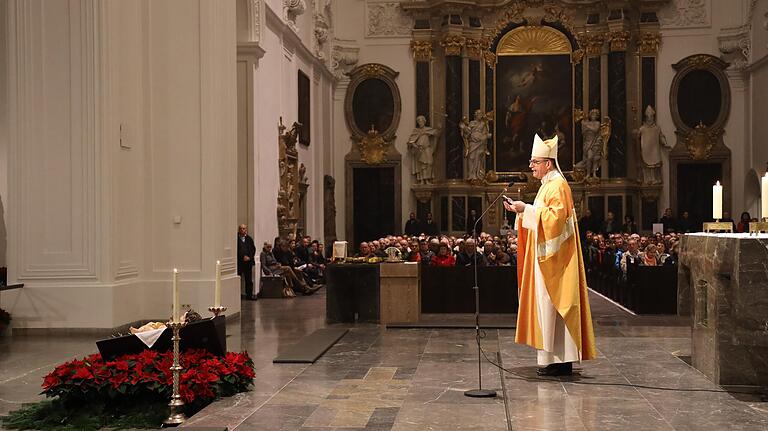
x: 536, y: 162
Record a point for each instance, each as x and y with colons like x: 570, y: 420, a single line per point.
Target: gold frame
x: 522, y: 41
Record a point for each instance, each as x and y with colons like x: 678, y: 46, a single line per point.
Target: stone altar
x: 723, y: 286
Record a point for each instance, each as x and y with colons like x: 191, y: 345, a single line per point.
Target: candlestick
x: 764, y: 196
x: 176, y: 416
x: 717, y: 201
x: 176, y: 317
x: 217, y: 286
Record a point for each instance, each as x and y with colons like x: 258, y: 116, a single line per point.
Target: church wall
x: 3, y: 132
x: 696, y: 33
x: 758, y: 77
x: 94, y: 238
x: 394, y: 52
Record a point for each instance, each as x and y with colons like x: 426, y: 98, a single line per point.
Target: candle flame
x: 175, y: 271
x: 218, y: 262
x: 718, y: 183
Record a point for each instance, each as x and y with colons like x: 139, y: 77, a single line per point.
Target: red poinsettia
x: 204, y: 378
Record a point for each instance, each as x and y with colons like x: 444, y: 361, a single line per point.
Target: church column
x: 421, y: 47
x: 454, y: 147
x: 648, y: 42
x: 617, y: 93
x: 473, y: 54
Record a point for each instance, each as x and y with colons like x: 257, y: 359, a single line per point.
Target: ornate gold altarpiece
x: 457, y: 49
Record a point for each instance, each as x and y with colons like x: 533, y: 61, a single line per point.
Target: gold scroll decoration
x: 700, y: 140
x: 539, y: 40
x: 373, y: 148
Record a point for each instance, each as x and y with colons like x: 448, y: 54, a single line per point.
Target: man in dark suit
x: 246, y: 250
x: 412, y: 226
x: 429, y: 227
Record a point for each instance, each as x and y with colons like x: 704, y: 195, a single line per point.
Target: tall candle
x: 176, y: 316
x: 764, y: 196
x: 217, y: 286
x: 717, y: 201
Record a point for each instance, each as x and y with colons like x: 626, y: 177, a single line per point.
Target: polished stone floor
x: 414, y: 379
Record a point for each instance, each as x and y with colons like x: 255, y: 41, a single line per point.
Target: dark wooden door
x: 694, y: 191
x: 373, y: 211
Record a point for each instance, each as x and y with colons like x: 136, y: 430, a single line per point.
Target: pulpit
x: 723, y: 286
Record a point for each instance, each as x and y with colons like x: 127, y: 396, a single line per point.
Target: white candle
x: 176, y: 316
x: 717, y: 201
x: 764, y: 196
x: 217, y: 286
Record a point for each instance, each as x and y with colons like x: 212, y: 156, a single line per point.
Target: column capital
x: 648, y: 43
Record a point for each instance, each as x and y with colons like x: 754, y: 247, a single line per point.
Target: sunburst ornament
x: 527, y: 40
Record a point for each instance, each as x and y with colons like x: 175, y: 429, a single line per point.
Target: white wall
x: 3, y: 131
x: 94, y: 238
x: 682, y: 39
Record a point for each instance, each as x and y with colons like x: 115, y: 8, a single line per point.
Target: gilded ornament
x: 528, y: 40
x: 577, y: 56
x: 618, y: 40
x: 648, y: 43
x: 555, y: 13
x: 700, y: 61
x: 422, y: 50
x: 372, y: 69
x: 512, y: 13
x: 474, y: 47
x: 453, y: 44
x: 700, y: 141
x: 373, y: 148
x: 593, y: 42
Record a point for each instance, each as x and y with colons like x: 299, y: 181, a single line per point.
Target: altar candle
x: 217, y: 286
x: 176, y: 316
x: 717, y: 201
x: 764, y: 196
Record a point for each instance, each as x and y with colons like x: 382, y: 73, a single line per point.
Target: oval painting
x: 699, y: 98
x: 373, y: 105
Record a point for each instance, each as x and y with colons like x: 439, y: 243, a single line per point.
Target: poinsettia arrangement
x: 205, y: 377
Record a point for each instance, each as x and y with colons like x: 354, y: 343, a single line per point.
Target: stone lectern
x: 723, y: 286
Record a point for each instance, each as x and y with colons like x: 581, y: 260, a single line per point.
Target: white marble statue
x: 475, y: 134
x: 595, y: 136
x: 421, y: 145
x: 651, y: 141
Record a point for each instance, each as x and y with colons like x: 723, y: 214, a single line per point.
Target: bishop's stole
x: 554, y: 315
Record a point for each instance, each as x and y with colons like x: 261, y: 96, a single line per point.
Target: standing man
x: 246, y: 250
x: 554, y: 315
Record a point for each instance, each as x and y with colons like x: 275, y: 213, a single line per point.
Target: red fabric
x: 448, y: 260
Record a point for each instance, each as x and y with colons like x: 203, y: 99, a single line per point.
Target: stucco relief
x: 685, y: 14
x: 291, y: 10
x: 387, y: 20
x: 735, y: 47
x: 344, y: 57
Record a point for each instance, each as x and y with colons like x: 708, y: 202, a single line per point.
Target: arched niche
x: 372, y: 101
x: 700, y: 102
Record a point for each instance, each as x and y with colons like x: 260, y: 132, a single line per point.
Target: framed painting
x: 533, y: 94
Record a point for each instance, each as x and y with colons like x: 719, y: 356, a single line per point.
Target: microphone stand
x: 480, y: 392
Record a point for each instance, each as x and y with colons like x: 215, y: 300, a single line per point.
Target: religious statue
x: 475, y: 134
x: 421, y: 145
x: 595, y: 136
x: 651, y: 141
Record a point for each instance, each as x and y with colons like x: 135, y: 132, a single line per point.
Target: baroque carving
x: 422, y: 50
x: 453, y: 44
x: 735, y: 47
x: 648, y: 43
x: 344, y: 57
x: 577, y: 56
x: 700, y: 140
x: 593, y: 42
x: 618, y: 40
x: 533, y: 39
x: 288, y: 193
x: 322, y: 30
x: 474, y: 47
x: 387, y: 20
x: 685, y: 14
x: 372, y: 148
x: 291, y: 10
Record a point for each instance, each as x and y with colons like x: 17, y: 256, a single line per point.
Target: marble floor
x: 414, y: 379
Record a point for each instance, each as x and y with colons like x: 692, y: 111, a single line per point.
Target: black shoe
x: 561, y: 369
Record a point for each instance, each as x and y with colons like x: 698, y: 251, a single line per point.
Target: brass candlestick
x: 217, y: 310
x: 758, y: 227
x: 177, y: 416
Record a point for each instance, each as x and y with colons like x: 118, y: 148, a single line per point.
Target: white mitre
x: 544, y: 149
